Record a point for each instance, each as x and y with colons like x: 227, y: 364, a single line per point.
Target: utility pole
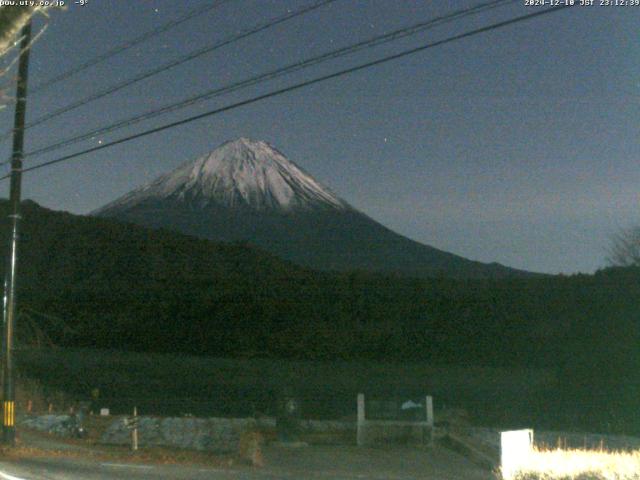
x: 8, y: 387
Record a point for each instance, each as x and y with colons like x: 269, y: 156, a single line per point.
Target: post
x: 8, y: 388
x: 361, y: 420
x: 428, y: 402
x: 134, y: 432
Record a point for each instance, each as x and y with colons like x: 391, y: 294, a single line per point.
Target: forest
x: 89, y: 282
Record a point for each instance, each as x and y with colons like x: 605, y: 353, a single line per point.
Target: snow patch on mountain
x: 239, y: 173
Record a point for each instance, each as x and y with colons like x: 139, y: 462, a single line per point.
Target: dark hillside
x: 124, y: 287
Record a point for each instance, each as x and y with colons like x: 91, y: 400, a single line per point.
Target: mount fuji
x: 248, y: 191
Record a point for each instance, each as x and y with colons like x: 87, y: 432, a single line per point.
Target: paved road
x: 67, y: 469
x: 314, y: 463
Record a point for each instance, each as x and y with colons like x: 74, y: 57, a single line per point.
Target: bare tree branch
x: 625, y: 248
x: 12, y: 19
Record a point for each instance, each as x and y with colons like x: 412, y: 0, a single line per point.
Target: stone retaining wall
x: 210, y: 434
x: 56, y: 424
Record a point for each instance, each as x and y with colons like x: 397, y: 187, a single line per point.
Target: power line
x: 128, y: 45
x: 116, y: 50
x: 298, y: 86
x: 369, y: 43
x: 174, y: 63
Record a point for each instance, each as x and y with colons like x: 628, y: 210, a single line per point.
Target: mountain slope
x: 248, y: 191
x: 95, y: 282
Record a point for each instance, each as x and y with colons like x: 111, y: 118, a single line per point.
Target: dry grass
x: 562, y: 464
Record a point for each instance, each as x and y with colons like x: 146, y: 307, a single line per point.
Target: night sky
x: 519, y: 146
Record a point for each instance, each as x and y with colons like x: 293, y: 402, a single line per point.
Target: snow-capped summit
x: 239, y: 173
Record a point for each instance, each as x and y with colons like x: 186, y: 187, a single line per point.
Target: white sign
x: 515, y: 448
x: 104, y: 412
